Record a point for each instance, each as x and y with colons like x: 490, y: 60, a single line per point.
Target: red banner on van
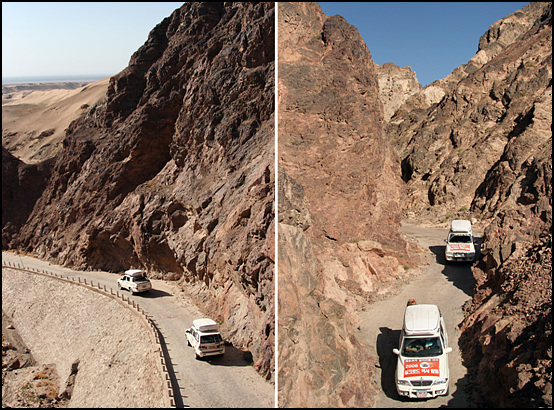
x: 421, y: 367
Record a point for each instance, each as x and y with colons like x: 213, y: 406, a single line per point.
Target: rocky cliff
x: 481, y: 148
x: 499, y: 101
x: 476, y: 144
x: 173, y: 171
x: 340, y: 195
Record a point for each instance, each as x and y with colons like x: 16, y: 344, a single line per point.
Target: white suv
x: 134, y: 281
x: 205, y: 338
x: 422, y: 366
x: 459, y: 243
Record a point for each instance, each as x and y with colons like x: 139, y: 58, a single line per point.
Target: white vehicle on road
x: 459, y: 243
x: 422, y: 365
x: 134, y: 281
x: 204, y: 336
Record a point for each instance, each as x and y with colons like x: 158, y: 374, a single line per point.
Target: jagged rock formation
x: 483, y: 149
x: 173, y: 171
x: 396, y: 85
x: 500, y: 99
x: 22, y: 185
x: 339, y: 208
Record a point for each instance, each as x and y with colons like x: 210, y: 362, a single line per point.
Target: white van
x: 204, y: 336
x: 459, y: 243
x: 422, y: 365
x: 134, y: 281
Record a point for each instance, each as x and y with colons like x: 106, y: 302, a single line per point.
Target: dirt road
x: 448, y: 286
x: 228, y: 381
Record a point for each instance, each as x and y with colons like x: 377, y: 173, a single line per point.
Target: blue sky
x: 98, y: 39
x: 75, y: 39
x: 432, y: 38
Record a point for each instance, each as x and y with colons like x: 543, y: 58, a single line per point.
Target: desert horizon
x: 36, y: 115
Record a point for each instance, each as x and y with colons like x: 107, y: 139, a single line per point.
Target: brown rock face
x: 483, y: 149
x: 500, y: 101
x: 507, y: 336
x: 396, y: 85
x: 22, y: 185
x: 339, y: 207
x: 173, y: 172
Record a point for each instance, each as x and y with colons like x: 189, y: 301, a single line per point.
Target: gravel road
x: 448, y: 286
x: 228, y: 381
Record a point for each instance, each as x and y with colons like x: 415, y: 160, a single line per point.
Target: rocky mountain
x: 476, y: 144
x: 340, y: 195
x: 172, y: 172
x: 499, y: 100
x: 482, y: 149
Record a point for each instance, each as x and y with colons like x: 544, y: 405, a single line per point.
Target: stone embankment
x: 104, y: 350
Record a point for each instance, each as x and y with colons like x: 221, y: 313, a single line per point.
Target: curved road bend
x: 448, y: 286
x: 228, y: 381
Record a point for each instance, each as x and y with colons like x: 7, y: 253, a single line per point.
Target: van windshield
x: 460, y: 239
x: 421, y: 347
x: 215, y: 338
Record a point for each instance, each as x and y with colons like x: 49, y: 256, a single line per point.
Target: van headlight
x: 440, y: 381
x: 403, y: 383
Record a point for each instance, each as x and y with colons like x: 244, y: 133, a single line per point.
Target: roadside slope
x: 63, y: 324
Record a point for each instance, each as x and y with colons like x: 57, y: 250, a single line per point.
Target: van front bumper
x: 417, y: 392
x: 461, y: 257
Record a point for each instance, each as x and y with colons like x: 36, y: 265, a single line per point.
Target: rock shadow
x: 459, y: 394
x: 459, y: 273
x: 386, y: 341
x: 233, y: 357
x: 153, y: 294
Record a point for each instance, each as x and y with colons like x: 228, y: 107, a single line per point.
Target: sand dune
x: 34, y: 120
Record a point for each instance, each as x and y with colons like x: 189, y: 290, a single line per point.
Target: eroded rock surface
x: 483, y: 149
x: 340, y: 197
x: 173, y: 171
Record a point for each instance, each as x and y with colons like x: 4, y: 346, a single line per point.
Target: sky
x: 71, y: 39
x: 97, y: 39
x: 433, y: 38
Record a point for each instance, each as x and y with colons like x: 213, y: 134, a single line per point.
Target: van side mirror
x: 448, y: 350
x: 397, y: 352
